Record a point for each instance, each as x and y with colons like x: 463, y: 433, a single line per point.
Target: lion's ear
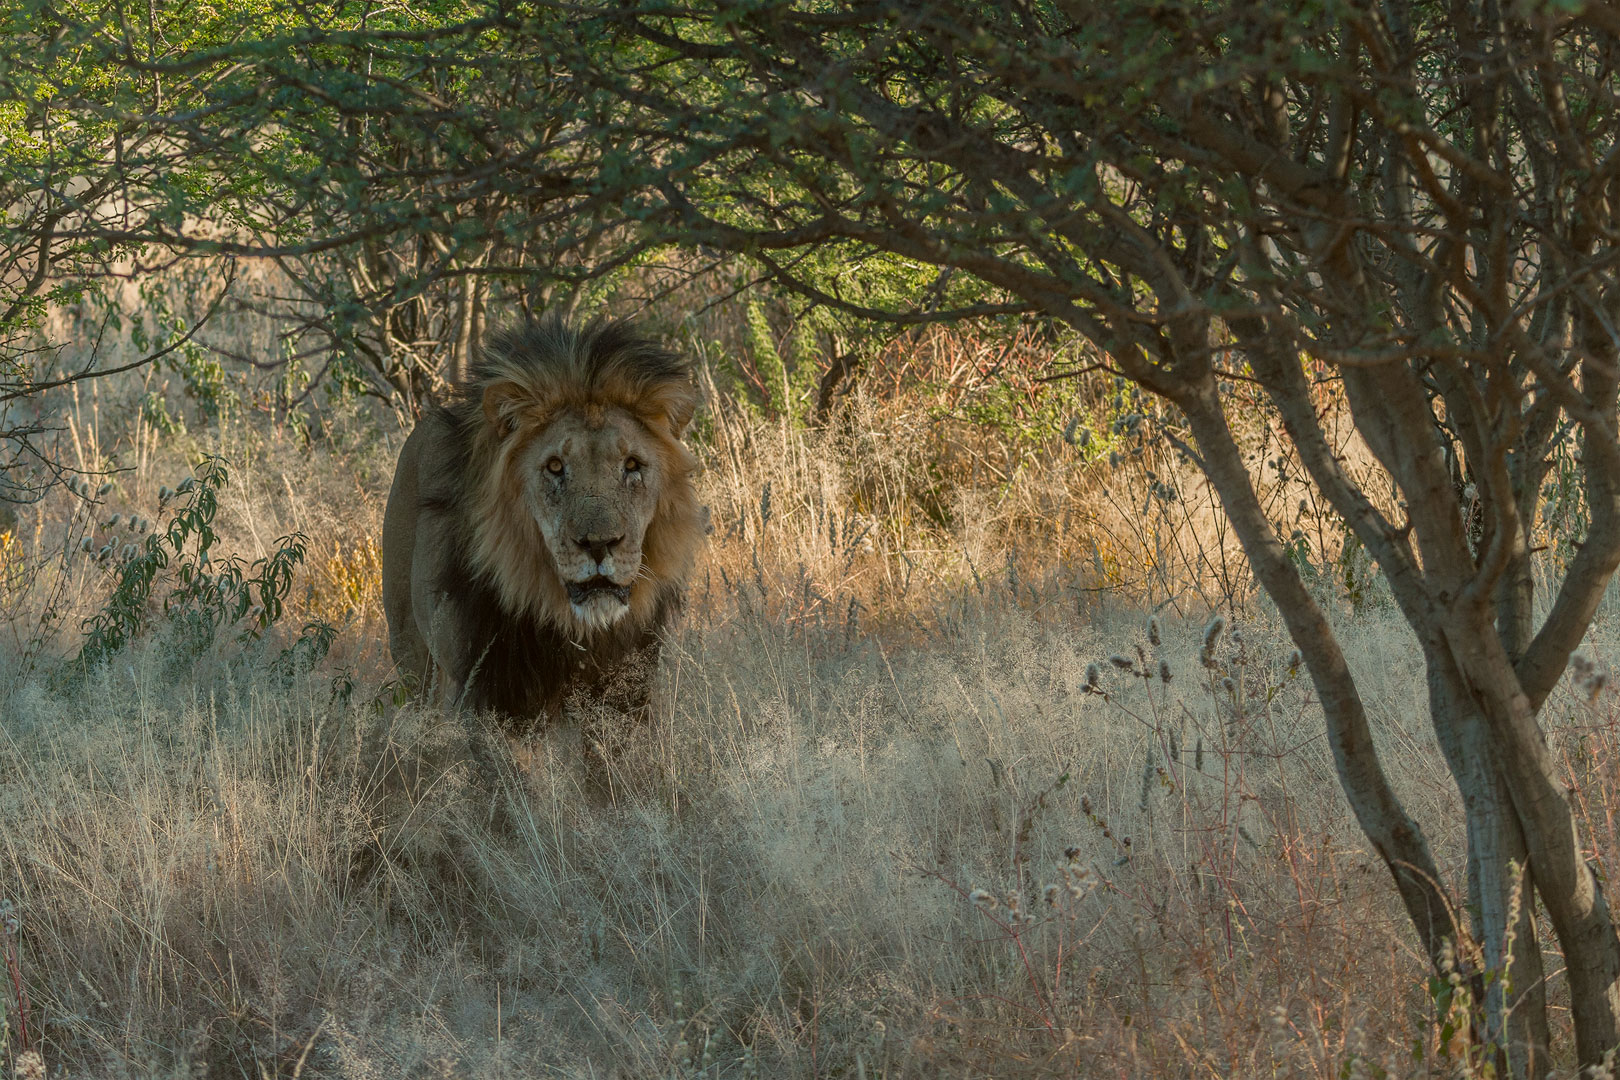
x: 681, y: 416
x: 502, y: 400
x: 679, y: 407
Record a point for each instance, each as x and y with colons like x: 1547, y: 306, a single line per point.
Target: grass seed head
x: 30, y: 1065
x: 1212, y: 635
x: 1164, y: 671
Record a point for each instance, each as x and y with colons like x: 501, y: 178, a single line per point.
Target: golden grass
x: 831, y: 855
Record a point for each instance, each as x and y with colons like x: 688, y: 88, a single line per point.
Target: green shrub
x: 206, y: 594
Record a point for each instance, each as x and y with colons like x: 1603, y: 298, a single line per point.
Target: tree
x: 1416, y: 202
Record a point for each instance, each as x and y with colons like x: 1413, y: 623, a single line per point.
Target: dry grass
x: 830, y: 856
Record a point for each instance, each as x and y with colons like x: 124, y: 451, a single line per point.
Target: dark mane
x: 607, y: 360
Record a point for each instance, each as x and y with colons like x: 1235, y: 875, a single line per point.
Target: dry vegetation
x: 929, y: 794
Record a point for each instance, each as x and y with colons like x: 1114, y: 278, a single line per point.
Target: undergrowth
x: 976, y: 755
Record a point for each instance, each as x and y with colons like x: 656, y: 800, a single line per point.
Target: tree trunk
x: 1515, y: 1020
x: 1383, y: 819
x: 1568, y: 887
x: 461, y: 351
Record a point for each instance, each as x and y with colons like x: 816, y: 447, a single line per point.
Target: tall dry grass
x: 919, y: 801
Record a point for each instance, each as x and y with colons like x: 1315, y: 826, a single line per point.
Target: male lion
x: 541, y: 525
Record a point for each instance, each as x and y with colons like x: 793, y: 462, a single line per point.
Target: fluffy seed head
x: 30, y: 1065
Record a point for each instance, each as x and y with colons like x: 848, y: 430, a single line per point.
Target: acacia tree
x: 1415, y: 201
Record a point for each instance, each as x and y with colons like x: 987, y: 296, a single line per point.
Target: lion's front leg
x: 446, y: 636
x: 439, y: 604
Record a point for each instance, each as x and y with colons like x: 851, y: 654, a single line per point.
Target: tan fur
x: 482, y: 542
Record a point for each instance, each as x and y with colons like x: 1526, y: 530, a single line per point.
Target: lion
x: 542, y: 524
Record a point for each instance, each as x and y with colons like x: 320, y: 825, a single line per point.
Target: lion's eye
x: 632, y: 465
x: 554, y: 466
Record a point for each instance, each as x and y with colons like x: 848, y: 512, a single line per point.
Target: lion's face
x: 581, y: 509
x: 591, y: 481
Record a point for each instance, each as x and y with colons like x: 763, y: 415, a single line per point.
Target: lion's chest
x: 530, y: 671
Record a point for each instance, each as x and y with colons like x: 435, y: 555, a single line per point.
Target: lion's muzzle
x: 581, y: 592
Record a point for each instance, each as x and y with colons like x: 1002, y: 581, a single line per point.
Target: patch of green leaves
x: 205, y: 594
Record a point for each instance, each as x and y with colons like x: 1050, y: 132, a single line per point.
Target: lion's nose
x: 598, y: 547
